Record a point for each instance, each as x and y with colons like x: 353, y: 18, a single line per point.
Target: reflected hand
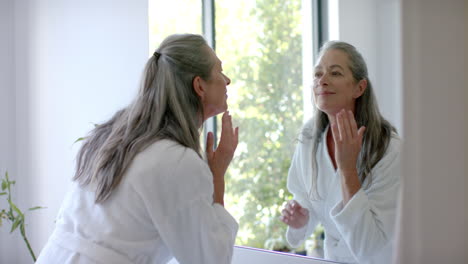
x: 348, y: 141
x: 294, y: 215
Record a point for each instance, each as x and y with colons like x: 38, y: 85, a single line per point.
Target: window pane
x: 174, y: 16
x: 260, y: 43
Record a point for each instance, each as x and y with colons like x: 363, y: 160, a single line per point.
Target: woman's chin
x: 215, y: 112
x: 222, y: 109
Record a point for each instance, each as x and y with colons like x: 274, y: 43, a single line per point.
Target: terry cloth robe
x: 163, y: 208
x: 362, y: 231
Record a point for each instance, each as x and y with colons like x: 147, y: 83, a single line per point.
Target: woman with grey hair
x: 344, y: 173
x: 142, y: 192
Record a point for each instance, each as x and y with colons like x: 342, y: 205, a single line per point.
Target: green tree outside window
x: 261, y: 44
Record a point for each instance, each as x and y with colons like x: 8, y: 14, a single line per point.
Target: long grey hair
x: 378, y: 130
x: 166, y: 107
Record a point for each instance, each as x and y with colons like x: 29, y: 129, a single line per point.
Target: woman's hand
x: 294, y: 215
x: 219, y: 159
x: 348, y: 141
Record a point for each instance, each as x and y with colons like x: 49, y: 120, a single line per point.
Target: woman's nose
x: 228, y: 81
x: 323, y: 80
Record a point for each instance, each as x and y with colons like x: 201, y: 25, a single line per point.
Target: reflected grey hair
x: 378, y: 130
x: 166, y: 107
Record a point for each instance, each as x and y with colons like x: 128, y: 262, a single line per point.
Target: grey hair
x: 378, y: 130
x: 166, y: 107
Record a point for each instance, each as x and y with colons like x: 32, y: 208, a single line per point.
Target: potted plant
x: 277, y: 244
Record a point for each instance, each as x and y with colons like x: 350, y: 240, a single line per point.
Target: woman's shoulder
x: 308, y: 125
x: 394, y: 145
x: 167, y: 152
x: 163, y: 157
x: 167, y: 172
x: 306, y: 132
x: 391, y: 157
x: 167, y: 163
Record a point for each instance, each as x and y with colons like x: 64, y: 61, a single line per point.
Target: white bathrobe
x: 163, y: 208
x: 363, y: 230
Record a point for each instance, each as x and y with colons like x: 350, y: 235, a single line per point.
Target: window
x: 267, y: 50
x: 261, y: 44
x: 170, y: 17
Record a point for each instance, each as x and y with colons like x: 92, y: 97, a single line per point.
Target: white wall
x: 415, y: 51
x: 373, y: 27
x: 434, y: 222
x: 7, y: 120
x: 76, y: 62
x: 7, y: 105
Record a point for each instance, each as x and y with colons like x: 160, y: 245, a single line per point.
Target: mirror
x: 261, y: 45
x: 267, y: 49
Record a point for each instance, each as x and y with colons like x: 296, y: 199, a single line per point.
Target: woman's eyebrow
x: 336, y: 66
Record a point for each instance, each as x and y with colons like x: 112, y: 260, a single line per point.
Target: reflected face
x: 215, y: 98
x: 334, y: 85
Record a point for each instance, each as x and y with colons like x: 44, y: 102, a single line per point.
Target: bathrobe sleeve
x: 367, y: 221
x: 180, y: 204
x: 297, y: 185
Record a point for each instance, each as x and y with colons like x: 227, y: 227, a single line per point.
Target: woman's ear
x: 198, y: 86
x: 361, y: 87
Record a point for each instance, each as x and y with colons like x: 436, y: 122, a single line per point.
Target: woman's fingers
x: 348, y: 135
x: 227, y: 122
x: 209, y: 145
x: 229, y: 135
x: 352, y: 125
x: 339, y: 123
x: 346, y: 126
x: 224, y: 123
x: 294, y: 215
x: 348, y: 140
x: 227, y: 129
x: 286, y: 213
x: 343, y: 126
x: 236, y: 136
x: 285, y: 216
x: 360, y: 133
x: 293, y: 207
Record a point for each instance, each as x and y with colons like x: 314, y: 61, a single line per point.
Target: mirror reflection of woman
x: 345, y: 170
x: 142, y: 192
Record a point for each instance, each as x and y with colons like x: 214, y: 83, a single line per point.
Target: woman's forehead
x: 333, y: 58
x: 214, y: 57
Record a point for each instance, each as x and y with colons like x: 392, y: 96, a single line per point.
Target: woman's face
x: 215, y: 97
x: 334, y: 85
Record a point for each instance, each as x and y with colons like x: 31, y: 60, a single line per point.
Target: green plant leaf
x: 36, y: 207
x: 79, y: 139
x: 16, y: 224
x: 16, y: 209
x: 13, y: 214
